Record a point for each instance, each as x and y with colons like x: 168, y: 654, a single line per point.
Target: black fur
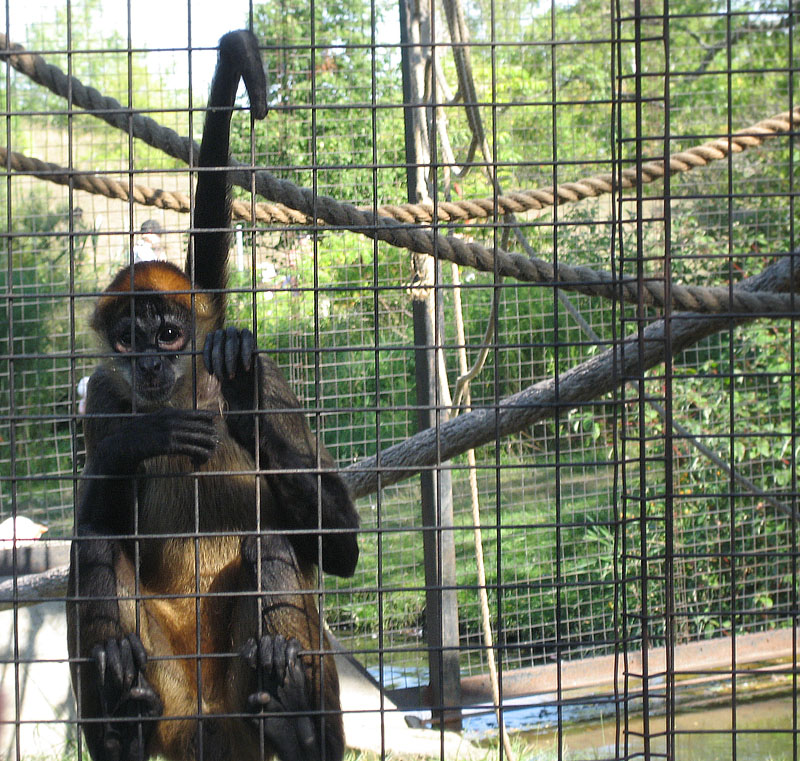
x: 133, y: 619
x: 238, y: 58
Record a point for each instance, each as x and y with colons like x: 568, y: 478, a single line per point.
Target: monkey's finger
x: 249, y: 652
x: 217, y: 356
x: 266, y: 653
x: 208, y: 347
x: 148, y: 697
x: 231, y: 351
x: 138, y: 651
x: 258, y: 700
x: 173, y: 422
x: 199, y: 433
x: 292, y: 650
x: 197, y: 455
x: 114, y: 659
x: 279, y: 656
x: 196, y: 417
x: 112, y: 743
x: 99, y: 657
x: 126, y: 660
x: 306, y: 737
x: 199, y: 448
x: 295, y: 683
x: 134, y: 749
x: 198, y: 424
x: 195, y: 444
x: 248, y: 348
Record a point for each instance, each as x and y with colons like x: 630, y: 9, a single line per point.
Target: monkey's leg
x: 109, y: 659
x: 109, y: 662
x: 294, y: 697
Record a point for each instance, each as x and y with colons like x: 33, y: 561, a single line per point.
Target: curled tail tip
x: 242, y: 47
x: 238, y: 40
x: 258, y: 103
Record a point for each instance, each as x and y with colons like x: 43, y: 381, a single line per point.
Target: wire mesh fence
x: 631, y: 454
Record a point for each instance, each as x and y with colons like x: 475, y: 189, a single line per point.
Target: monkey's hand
x: 188, y: 432
x: 125, y: 695
x: 230, y: 356
x: 282, y: 690
x: 167, y: 432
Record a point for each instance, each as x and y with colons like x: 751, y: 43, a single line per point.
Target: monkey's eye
x: 123, y: 341
x: 170, y: 338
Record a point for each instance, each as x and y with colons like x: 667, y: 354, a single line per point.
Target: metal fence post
x: 441, y: 608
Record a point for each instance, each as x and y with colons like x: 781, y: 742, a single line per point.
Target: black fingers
x: 119, y: 662
x: 188, y: 432
x: 282, y: 688
x: 124, y: 695
x: 138, y: 651
x: 169, y: 431
x: 230, y: 352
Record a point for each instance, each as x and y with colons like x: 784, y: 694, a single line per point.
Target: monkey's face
x: 150, y: 345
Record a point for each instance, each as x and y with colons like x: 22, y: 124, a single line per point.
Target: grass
x: 392, y: 559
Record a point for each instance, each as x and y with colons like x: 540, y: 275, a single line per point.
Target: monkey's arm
x: 117, y: 442
x: 309, y: 493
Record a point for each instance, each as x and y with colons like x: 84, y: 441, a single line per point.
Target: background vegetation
x: 590, y: 518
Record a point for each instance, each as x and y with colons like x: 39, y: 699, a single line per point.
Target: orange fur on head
x: 156, y: 276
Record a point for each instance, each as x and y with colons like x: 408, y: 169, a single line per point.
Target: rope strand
x: 707, y: 300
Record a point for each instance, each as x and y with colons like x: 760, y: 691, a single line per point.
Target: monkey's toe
x: 280, y: 703
x: 280, y: 673
x: 124, y: 696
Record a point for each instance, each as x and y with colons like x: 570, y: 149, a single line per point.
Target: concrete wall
x: 42, y: 723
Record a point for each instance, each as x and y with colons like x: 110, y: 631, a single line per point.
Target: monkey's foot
x: 282, y: 690
x: 125, y: 695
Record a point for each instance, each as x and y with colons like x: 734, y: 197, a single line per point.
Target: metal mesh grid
x: 606, y: 530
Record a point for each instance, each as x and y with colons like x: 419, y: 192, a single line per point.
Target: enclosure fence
x: 532, y: 271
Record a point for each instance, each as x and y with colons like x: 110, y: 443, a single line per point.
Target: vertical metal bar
x: 642, y: 498
x: 669, y: 447
x: 792, y: 202
x: 619, y: 622
x: 441, y: 609
x: 12, y: 396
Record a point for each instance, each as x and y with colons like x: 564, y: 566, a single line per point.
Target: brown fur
x: 153, y: 275
x: 184, y: 580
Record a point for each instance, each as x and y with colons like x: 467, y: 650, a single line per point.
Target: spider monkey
x: 205, y: 507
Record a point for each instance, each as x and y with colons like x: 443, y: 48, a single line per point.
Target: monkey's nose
x: 150, y: 364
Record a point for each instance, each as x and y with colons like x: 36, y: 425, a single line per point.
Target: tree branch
x: 584, y: 383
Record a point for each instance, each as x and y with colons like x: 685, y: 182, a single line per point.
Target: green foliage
x: 35, y: 346
x: 340, y: 78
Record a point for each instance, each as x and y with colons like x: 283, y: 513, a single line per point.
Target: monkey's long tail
x: 239, y: 57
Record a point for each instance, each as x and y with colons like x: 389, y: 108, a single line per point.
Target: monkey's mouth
x: 153, y: 392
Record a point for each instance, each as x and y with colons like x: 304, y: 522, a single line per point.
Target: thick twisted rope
x: 172, y: 200
x: 167, y: 140
x: 585, y: 280
x: 709, y: 300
